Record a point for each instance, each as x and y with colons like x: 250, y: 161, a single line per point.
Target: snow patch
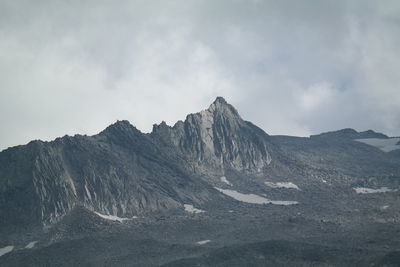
x: 248, y: 198
x: 365, y: 190
x: 113, y: 217
x: 288, y: 185
x: 224, y: 180
x: 252, y: 198
x: 385, y: 145
x: 6, y: 250
x: 31, y: 244
x: 189, y: 208
x: 203, y: 242
x: 283, y: 202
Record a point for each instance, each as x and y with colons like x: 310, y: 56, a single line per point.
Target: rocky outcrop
x: 211, y: 178
x: 218, y: 138
x: 124, y: 172
x: 119, y: 172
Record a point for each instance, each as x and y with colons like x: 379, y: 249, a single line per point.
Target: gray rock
x: 119, y: 172
x: 218, y: 138
x: 50, y: 192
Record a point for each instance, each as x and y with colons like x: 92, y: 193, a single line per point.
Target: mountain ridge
x: 211, y: 183
x: 220, y: 101
x: 95, y: 171
x: 211, y: 142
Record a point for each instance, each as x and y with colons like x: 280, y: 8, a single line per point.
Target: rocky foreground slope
x: 213, y: 190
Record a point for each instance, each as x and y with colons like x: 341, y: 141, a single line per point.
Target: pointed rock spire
x: 218, y: 137
x: 221, y: 106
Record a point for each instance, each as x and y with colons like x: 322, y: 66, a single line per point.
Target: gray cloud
x: 292, y: 67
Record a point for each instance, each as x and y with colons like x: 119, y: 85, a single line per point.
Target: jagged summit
x: 219, y: 114
x: 121, y: 128
x: 220, y: 106
x: 218, y: 137
x: 108, y: 197
x: 219, y: 109
x: 120, y: 124
x: 220, y: 100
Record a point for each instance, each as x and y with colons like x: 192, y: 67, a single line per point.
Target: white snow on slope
x: 113, y: 217
x: 189, y: 208
x: 386, y: 145
x: 31, y: 244
x: 203, y: 242
x: 365, y: 190
x: 6, y: 250
x: 283, y: 202
x: 253, y: 199
x: 224, y: 180
x: 288, y: 185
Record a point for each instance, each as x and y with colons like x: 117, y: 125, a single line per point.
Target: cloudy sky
x: 291, y: 67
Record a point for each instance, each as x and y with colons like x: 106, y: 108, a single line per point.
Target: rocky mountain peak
x: 220, y: 104
x: 218, y: 137
x: 220, y: 116
x: 222, y: 108
x: 120, y: 125
x: 120, y: 128
x: 220, y: 100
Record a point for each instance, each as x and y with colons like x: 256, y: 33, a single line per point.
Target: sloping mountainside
x: 213, y: 190
x: 119, y: 171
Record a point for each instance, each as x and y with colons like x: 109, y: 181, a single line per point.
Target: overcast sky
x: 291, y: 67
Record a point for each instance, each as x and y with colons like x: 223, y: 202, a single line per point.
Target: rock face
x: 123, y: 172
x: 118, y: 172
x: 125, y: 198
x: 218, y: 138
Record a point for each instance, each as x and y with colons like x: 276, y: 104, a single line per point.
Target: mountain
x: 120, y: 171
x: 218, y: 138
x: 213, y: 190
